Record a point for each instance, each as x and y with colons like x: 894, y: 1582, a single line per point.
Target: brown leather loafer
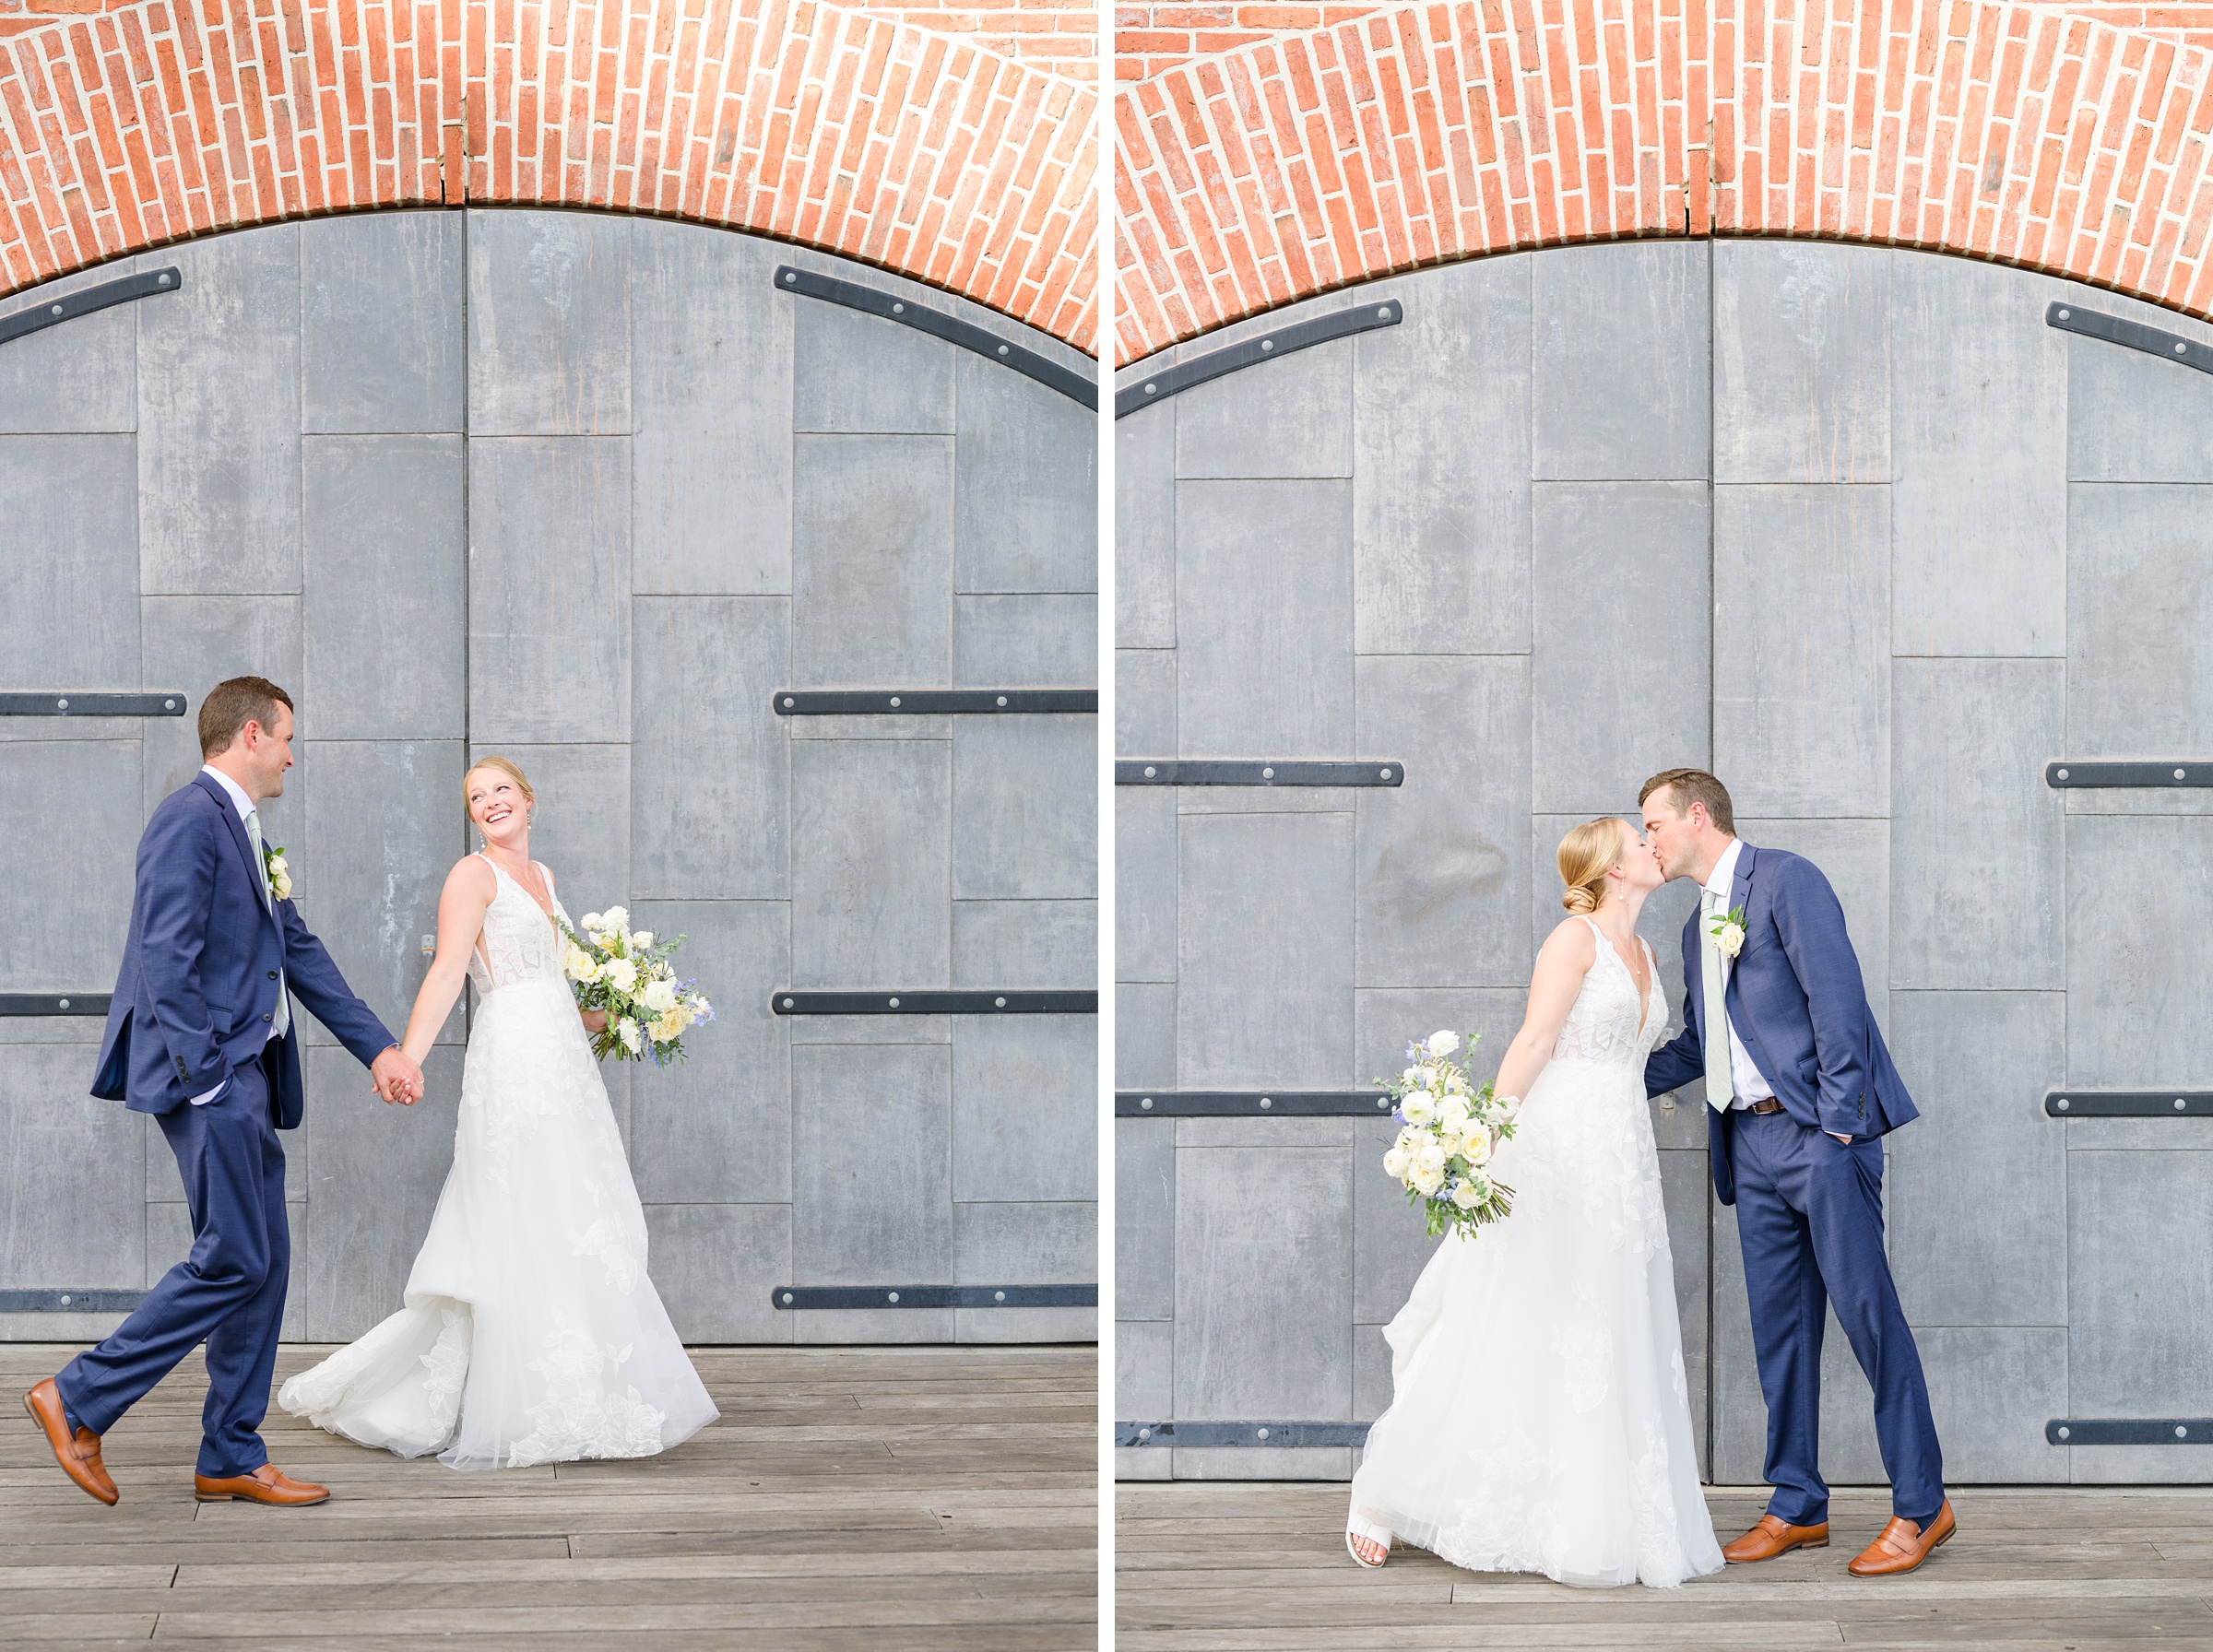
x: 1774, y: 1536
x: 267, y: 1484
x: 77, y: 1453
x: 1903, y: 1545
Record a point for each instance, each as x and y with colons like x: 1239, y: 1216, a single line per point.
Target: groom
x: 1799, y: 1086
x: 200, y: 1034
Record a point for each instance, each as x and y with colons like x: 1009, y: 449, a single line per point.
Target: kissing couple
x: 1539, y: 1418
x: 529, y: 1332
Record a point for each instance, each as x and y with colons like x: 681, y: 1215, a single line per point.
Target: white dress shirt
x: 244, y: 805
x: 1744, y: 1076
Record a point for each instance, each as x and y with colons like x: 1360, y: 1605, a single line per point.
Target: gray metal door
x: 592, y: 492
x: 1865, y: 532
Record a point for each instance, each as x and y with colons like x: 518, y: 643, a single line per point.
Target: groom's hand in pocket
x: 398, y: 1078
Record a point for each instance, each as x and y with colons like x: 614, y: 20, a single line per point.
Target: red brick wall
x: 142, y: 124
x: 1314, y: 158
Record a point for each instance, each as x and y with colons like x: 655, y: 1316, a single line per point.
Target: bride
x: 1539, y: 1421
x: 530, y: 1332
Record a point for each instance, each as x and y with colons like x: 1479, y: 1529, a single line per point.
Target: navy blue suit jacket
x: 1796, y: 998
x: 197, y: 990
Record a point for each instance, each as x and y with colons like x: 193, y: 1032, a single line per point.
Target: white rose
x: 1430, y: 1156
x: 1419, y: 1107
x: 1466, y: 1196
x: 667, y: 1027
x: 620, y: 974
x: 1475, y: 1145
x: 580, y: 967
x: 660, y: 997
x: 591, y: 920
x: 1728, y: 939
x: 1443, y: 1043
x: 1426, y: 1181
x: 615, y: 917
x: 1394, y: 1166
x: 280, y: 881
x: 1452, y: 1113
x: 641, y: 939
x: 627, y: 1030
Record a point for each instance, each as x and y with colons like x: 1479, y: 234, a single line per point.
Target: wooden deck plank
x: 942, y: 1500
x: 1261, y: 1567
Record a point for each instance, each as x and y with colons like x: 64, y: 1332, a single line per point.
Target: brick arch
x: 1413, y: 136
x: 155, y: 121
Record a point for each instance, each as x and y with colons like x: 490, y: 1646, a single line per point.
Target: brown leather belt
x: 1766, y: 1104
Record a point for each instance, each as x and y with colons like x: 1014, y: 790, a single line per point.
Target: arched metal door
x: 590, y: 492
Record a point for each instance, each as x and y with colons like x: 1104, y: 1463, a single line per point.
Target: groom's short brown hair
x: 229, y: 707
x: 1687, y: 787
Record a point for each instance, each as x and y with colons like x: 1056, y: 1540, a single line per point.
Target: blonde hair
x: 1587, y: 855
x: 504, y: 767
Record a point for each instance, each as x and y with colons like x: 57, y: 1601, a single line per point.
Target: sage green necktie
x: 283, y: 1018
x: 1714, y: 1022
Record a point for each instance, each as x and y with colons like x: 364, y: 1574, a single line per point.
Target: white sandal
x: 1358, y: 1527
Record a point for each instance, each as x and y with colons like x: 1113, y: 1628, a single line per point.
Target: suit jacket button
x: 267, y: 1017
x: 272, y: 974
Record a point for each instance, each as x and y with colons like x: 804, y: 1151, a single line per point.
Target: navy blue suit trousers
x: 1809, y: 1212
x: 228, y: 1291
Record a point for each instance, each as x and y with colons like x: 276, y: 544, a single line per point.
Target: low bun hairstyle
x: 1587, y: 855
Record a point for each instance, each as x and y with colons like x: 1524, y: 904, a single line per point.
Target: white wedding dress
x: 530, y: 1332
x: 1539, y: 1419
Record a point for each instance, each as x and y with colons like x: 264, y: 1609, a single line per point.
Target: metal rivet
x: 894, y: 1296
x: 2062, y: 314
x: 2064, y: 1432
x: 1267, y: 344
x: 1144, y: 1434
x: 64, y: 1003
x: 1001, y: 1004
x: 789, y: 700
x: 58, y: 309
x: 162, y: 280
x: 1002, y: 349
x: 1267, y: 774
x: 1382, y: 1104
x: 2063, y: 773
x: 2180, y: 1104
x: 1003, y: 699
x: 787, y: 1003
x: 2182, y: 349
x: 1266, y: 1102
x: 1387, y: 774
x: 2178, y: 774
x: 1150, y: 771
x: 64, y: 1299
x: 1384, y: 313
x: 791, y: 276
x: 998, y: 1296
x: 61, y: 705
x: 1146, y: 1104
x: 1150, y: 388
x: 2061, y: 1103
x: 1264, y: 1434
x: 169, y: 705
x: 2181, y: 1433
x: 895, y: 1003
x: 898, y: 308
x: 894, y: 700
x: 787, y: 1296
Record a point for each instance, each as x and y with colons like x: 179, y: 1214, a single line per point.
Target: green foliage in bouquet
x: 1449, y: 1128
x: 626, y: 973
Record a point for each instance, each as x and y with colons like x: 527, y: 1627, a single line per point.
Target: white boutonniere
x: 1728, y: 933
x: 280, y: 881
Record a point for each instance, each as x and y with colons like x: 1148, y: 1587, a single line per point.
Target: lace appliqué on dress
x: 581, y: 1416
x: 447, y: 1368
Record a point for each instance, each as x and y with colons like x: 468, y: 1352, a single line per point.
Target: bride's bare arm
x: 1563, y: 962
x: 469, y: 889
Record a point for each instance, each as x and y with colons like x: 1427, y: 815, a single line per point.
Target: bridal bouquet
x: 1448, y: 1128
x: 627, y: 974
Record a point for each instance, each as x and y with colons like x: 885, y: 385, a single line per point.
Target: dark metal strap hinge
x: 1008, y: 1001
x: 1251, y: 1104
x: 1165, y: 771
x: 794, y: 1297
x: 915, y: 703
x: 2130, y: 335
x: 49, y: 312
x: 1150, y: 388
